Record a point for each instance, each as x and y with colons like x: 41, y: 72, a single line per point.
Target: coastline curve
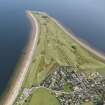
x: 80, y: 42
x: 14, y: 89
x: 86, y: 46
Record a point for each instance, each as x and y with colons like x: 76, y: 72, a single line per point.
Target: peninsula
x: 57, y: 66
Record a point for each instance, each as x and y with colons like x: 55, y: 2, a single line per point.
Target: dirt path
x: 16, y: 87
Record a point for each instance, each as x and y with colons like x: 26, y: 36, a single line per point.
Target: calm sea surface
x: 86, y: 18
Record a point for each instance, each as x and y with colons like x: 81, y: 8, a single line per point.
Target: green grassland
x: 56, y: 48
x: 43, y: 97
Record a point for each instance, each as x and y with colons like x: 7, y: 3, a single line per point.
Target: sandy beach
x: 17, y: 83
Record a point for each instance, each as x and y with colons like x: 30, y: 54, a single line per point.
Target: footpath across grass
x: 55, y: 47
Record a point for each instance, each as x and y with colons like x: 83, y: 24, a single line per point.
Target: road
x: 33, y: 89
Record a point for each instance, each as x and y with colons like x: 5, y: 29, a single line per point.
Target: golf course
x: 55, y: 48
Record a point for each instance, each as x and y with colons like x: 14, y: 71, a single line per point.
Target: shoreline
x: 79, y: 41
x: 16, y: 84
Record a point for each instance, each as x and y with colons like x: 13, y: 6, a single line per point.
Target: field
x: 56, y: 48
x: 43, y: 97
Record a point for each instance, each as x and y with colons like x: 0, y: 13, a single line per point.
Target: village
x: 71, y: 87
x: 75, y: 87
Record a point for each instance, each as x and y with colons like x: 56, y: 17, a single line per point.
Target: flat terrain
x: 55, y: 47
x: 43, y: 97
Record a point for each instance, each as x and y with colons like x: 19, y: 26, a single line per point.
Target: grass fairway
x: 43, y: 97
x: 55, y: 47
